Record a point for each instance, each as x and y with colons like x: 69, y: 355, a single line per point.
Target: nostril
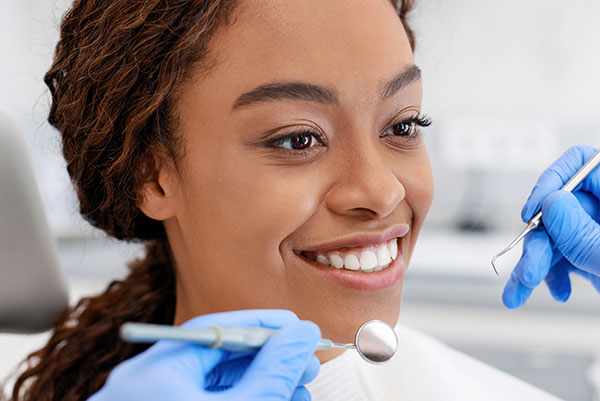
x: 365, y: 211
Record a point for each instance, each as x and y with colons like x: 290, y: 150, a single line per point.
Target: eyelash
x: 276, y: 142
x: 414, y: 124
x: 412, y: 135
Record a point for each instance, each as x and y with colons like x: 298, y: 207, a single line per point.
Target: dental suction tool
x: 570, y: 186
x: 376, y: 341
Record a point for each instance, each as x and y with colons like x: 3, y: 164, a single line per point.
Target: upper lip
x: 359, y: 240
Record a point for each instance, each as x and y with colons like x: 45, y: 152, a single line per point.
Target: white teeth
x: 323, y: 260
x: 351, y: 262
x: 336, y: 261
x: 383, y: 256
x: 394, y: 250
x: 373, y: 259
x: 368, y: 260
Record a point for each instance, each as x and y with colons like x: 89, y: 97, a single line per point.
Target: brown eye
x: 408, y: 128
x: 402, y: 129
x: 301, y: 141
x: 297, y: 141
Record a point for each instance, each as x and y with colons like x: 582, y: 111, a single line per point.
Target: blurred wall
x: 510, y: 86
x: 28, y: 34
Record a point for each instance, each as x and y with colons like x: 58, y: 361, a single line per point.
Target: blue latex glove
x: 178, y: 371
x: 569, y: 240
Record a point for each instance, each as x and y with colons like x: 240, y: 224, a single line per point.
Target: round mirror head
x: 376, y: 342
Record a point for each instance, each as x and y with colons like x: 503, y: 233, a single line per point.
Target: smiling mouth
x: 368, y: 259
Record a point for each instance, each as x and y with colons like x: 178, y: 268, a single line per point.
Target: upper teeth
x: 374, y: 258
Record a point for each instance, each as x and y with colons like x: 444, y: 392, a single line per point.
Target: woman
x: 270, y: 154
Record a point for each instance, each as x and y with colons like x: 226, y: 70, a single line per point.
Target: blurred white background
x: 510, y: 85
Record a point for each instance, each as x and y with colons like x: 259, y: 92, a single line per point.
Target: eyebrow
x: 293, y: 90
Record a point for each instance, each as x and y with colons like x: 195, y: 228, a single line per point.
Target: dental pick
x: 536, y: 221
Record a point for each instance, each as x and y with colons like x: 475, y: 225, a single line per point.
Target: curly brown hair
x: 117, y: 70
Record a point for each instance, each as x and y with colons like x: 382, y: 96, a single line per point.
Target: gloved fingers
x: 281, y: 363
x: 589, y: 203
x: 557, y: 175
x: 169, y: 365
x: 574, y: 233
x: 301, y: 394
x: 198, y: 361
x: 536, y: 259
x: 595, y: 282
x: 152, y: 372
x: 226, y: 374
x: 558, y: 281
x: 531, y: 269
x: 311, y: 371
x: 515, y: 294
x: 594, y: 279
x: 272, y: 318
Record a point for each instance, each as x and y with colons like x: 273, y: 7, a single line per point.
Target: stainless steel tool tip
x: 376, y: 342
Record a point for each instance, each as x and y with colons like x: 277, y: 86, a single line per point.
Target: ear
x: 157, y: 193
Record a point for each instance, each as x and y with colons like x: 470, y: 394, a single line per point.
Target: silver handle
x: 239, y: 339
x: 582, y: 173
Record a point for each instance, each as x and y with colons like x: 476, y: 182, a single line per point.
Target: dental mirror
x: 375, y: 341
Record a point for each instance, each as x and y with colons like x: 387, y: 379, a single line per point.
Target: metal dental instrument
x: 376, y: 341
x: 570, y: 186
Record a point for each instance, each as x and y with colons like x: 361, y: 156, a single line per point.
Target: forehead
x: 348, y: 44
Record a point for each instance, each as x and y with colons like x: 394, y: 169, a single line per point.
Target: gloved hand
x: 569, y: 240
x: 171, y: 370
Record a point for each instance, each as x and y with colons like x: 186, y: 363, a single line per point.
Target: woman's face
x: 295, y: 157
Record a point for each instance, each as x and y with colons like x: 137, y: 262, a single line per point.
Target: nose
x: 365, y: 185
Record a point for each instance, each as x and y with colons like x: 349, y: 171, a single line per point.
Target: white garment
x: 424, y: 369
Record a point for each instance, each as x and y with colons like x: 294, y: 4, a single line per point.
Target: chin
x: 341, y: 323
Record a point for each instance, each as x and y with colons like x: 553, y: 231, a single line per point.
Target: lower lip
x: 357, y: 280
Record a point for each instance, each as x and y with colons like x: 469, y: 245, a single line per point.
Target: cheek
x: 250, y: 207
x: 420, y: 188
x: 418, y: 182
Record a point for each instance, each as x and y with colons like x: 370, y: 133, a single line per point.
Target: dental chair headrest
x: 33, y: 291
